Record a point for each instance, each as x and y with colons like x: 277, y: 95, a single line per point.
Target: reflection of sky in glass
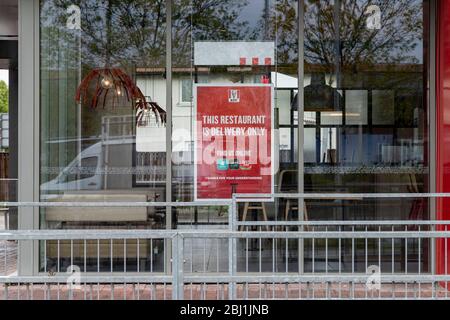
x: 251, y: 13
x: 4, y: 76
x: 418, y: 52
x: 137, y: 33
x: 401, y: 20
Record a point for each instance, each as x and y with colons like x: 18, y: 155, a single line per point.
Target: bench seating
x: 97, y: 214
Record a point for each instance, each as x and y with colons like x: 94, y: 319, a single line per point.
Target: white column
x: 28, y: 140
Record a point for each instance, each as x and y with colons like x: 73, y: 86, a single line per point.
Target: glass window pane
x: 383, y: 102
x: 283, y: 103
x: 356, y: 102
x: 236, y: 44
x: 102, y: 116
x: 365, y: 74
x: 331, y: 118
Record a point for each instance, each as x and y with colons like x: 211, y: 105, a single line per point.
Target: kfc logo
x: 233, y: 96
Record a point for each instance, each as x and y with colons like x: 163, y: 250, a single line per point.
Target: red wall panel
x: 443, y: 126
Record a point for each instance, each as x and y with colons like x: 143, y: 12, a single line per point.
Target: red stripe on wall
x: 443, y: 129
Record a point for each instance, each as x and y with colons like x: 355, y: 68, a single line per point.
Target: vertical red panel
x: 443, y: 126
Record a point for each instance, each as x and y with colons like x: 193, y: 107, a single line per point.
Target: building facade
x: 343, y: 97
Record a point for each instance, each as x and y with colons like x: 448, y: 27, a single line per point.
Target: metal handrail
x: 178, y: 277
x: 102, y: 204
x: 249, y: 278
x: 212, y: 234
x: 237, y: 197
x: 346, y: 223
x: 245, y: 197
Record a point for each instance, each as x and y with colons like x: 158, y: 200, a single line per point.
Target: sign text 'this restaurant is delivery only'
x: 233, y: 142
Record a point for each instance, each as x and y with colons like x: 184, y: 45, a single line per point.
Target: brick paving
x: 219, y: 292
x: 8, y: 253
x: 8, y: 257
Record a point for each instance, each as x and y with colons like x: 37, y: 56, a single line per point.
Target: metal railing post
x: 301, y: 242
x: 177, y: 267
x: 433, y: 252
x: 232, y: 249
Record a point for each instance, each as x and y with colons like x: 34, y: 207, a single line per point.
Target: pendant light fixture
x: 110, y: 84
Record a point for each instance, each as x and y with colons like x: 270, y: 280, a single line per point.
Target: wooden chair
x: 259, y: 206
x: 290, y: 207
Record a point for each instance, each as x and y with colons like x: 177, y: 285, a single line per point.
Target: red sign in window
x: 233, y: 143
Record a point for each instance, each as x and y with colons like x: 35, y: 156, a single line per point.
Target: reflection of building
x: 371, y: 126
x: 4, y: 131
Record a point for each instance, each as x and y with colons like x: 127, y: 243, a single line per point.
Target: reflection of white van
x: 103, y: 172
x: 110, y: 165
x: 83, y: 173
x: 117, y: 165
x: 120, y: 157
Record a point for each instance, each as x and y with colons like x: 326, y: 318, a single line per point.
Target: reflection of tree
x: 132, y: 31
x: 113, y: 31
x: 357, y: 45
x: 280, y: 23
x: 4, y: 97
x: 197, y: 20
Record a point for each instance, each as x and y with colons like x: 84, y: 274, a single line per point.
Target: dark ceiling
x: 8, y: 18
